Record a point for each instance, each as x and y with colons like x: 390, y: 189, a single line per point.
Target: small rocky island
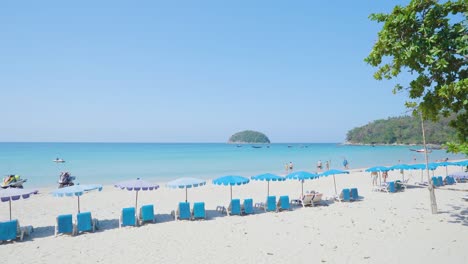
x: 249, y: 137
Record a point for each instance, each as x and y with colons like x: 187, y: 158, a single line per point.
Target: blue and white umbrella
x: 461, y: 163
x: 13, y: 194
x: 333, y: 172
x: 136, y: 185
x: 402, y: 168
x: 76, y: 190
x: 268, y: 177
x: 231, y: 180
x: 182, y: 183
x: 302, y: 175
x: 377, y: 169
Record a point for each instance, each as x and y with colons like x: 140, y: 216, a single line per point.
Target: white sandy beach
x: 382, y: 228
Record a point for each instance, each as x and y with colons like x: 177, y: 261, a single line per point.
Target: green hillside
x: 249, y: 136
x: 402, y: 130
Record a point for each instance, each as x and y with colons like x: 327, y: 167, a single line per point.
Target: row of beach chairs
x: 83, y: 222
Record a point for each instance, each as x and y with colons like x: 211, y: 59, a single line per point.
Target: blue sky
x: 189, y: 71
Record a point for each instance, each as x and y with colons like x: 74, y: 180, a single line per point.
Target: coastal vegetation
x: 402, y: 130
x: 427, y: 41
x: 249, y: 136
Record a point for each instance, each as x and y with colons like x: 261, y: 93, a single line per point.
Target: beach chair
x: 307, y: 200
x: 11, y: 230
x: 85, y: 223
x: 435, y: 181
x: 182, y: 212
x: 317, y: 200
x: 128, y: 217
x: 271, y: 204
x: 146, y: 214
x: 64, y: 225
x: 198, y: 211
x: 354, y: 196
x: 283, y: 203
x: 247, y: 206
x: 345, y: 196
x: 391, y: 187
x: 234, y: 207
x: 440, y: 181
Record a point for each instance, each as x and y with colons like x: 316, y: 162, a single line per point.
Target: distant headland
x: 249, y: 136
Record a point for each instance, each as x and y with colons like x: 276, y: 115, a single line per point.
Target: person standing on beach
x: 374, y: 178
x: 345, y: 163
x: 384, y: 176
x: 291, y: 166
x: 286, y: 167
x: 327, y: 165
x: 319, y: 165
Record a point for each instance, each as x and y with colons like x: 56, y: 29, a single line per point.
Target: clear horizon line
x: 174, y: 142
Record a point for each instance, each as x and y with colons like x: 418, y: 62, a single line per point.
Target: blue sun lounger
x: 128, y: 217
x: 345, y: 196
x: 283, y: 203
x: 85, y: 223
x: 271, y: 204
x: 182, y: 212
x: 64, y: 225
x: 354, y: 194
x: 146, y: 214
x: 198, y: 211
x: 234, y: 207
x: 11, y: 230
x: 247, y: 206
x: 440, y: 181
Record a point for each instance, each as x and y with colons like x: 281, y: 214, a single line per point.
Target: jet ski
x: 57, y: 160
x: 13, y: 181
x: 65, y: 179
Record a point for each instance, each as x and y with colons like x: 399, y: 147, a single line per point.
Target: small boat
x: 256, y: 146
x: 57, y: 160
x: 421, y: 150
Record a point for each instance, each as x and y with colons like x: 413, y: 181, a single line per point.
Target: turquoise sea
x: 107, y: 163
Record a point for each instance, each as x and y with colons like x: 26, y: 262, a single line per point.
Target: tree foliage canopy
x: 402, y: 130
x: 429, y: 41
x: 249, y: 136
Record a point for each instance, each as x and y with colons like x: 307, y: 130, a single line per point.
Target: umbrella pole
x: 446, y: 171
x: 268, y: 190
x: 185, y: 193
x: 10, y: 207
x: 78, y: 204
x: 334, y: 182
x: 231, y: 192
x: 380, y: 179
x: 421, y: 176
x: 302, y: 183
x: 136, y: 201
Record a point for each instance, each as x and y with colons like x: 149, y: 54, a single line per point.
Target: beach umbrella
x: 422, y: 167
x: 445, y: 164
x: 136, y: 185
x: 460, y: 175
x: 402, y: 168
x: 231, y: 180
x: 182, y: 183
x: 76, y: 190
x: 333, y: 172
x: 461, y: 163
x: 13, y: 194
x: 268, y: 177
x: 301, y: 175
